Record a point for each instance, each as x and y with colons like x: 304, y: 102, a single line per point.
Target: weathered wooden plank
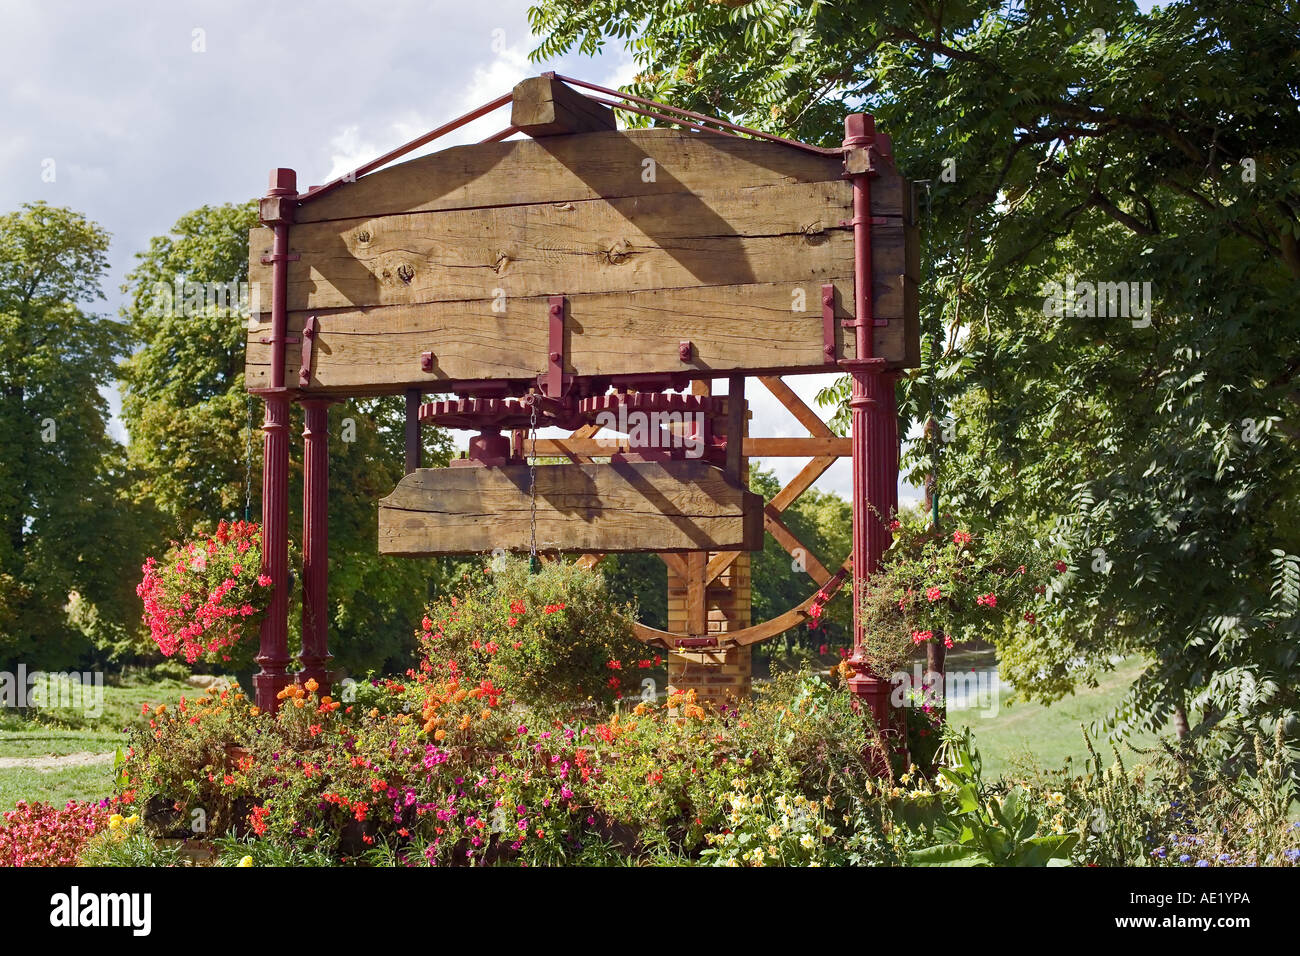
x: 668, y: 506
x: 584, y: 166
x: 375, y: 351
x: 543, y: 106
x: 732, y: 237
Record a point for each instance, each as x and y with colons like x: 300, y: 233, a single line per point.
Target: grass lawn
x: 1022, y: 736
x: 1019, y: 737
x: 28, y: 747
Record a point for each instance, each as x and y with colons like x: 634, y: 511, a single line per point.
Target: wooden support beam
x: 801, y: 482
x: 798, y: 447
x: 697, y: 612
x: 676, y: 563
x: 544, y: 106
x: 778, y: 529
x: 736, y: 409
x: 624, y: 507
x: 414, y: 446
x: 752, y: 447
x: 797, y: 407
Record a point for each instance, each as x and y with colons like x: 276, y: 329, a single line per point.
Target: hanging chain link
x: 532, y: 490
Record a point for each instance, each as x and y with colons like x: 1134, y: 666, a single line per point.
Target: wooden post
x: 414, y: 446
x: 711, y: 607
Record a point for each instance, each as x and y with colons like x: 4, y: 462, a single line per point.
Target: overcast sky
x: 141, y: 111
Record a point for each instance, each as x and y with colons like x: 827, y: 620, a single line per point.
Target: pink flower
x: 988, y: 600
x: 933, y: 593
x: 961, y: 537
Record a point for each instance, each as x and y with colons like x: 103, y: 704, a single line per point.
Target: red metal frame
x: 872, y: 405
x: 315, y: 656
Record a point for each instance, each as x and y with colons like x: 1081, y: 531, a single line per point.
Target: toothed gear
x: 645, y: 402
x: 477, y: 413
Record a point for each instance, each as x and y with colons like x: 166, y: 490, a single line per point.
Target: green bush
x: 554, y: 638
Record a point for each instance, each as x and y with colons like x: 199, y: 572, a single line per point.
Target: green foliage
x: 554, y: 638
x: 62, y: 531
x: 195, y: 444
x: 978, y: 829
x: 955, y: 588
x: 1113, y: 145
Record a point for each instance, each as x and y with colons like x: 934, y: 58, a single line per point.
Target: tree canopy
x: 1102, y: 143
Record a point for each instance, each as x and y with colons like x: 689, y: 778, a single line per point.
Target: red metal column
x: 874, y: 431
x: 273, y: 650
x: 315, y: 656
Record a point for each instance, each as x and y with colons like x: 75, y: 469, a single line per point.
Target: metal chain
x: 532, y: 490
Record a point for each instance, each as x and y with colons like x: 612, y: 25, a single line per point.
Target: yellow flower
x: 115, y: 821
x: 773, y: 832
x: 246, y: 861
x: 132, y: 820
x: 807, y: 842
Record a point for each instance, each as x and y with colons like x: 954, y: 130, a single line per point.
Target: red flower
x: 1062, y: 567
x: 961, y: 537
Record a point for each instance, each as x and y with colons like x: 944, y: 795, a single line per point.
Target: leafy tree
x: 60, y: 470
x: 1109, y: 144
x: 196, y: 440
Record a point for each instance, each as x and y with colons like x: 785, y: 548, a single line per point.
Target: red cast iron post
x: 872, y: 413
x: 273, y: 651
x: 315, y: 656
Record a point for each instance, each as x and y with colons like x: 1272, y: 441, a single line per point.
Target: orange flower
x: 311, y: 685
x: 440, y: 734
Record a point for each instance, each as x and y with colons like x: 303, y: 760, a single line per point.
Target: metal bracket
x: 272, y: 258
x: 686, y: 643
x: 426, y: 361
x: 684, y: 350
x: 553, y: 385
x: 309, y: 330
x: 828, y: 323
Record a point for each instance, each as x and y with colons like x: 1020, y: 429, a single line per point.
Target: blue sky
x: 146, y: 110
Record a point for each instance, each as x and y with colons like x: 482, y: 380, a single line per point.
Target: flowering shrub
x: 38, y: 834
x: 952, y: 587
x: 554, y: 638
x: 206, y: 595
x: 450, y: 765
x: 770, y: 831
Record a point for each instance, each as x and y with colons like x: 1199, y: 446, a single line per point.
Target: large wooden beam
x: 543, y: 106
x: 670, y: 506
x: 646, y: 162
x: 788, y: 233
x: 378, y: 351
